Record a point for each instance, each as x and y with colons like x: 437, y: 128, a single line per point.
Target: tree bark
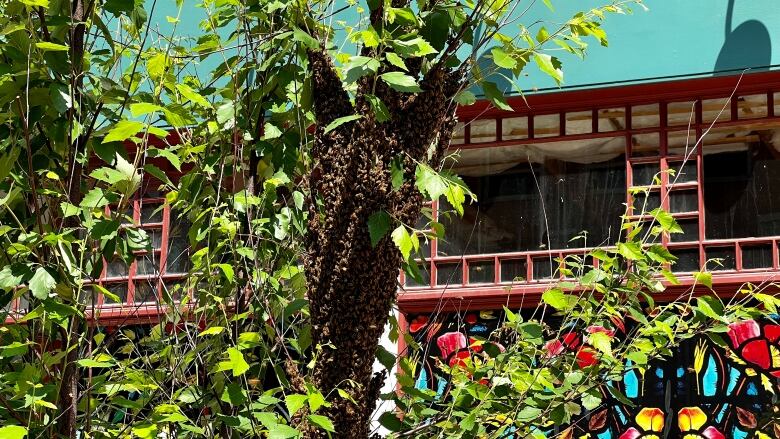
x: 352, y: 285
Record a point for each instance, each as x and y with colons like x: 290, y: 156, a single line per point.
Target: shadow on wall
x: 749, y: 45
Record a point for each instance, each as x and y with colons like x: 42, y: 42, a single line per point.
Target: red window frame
x: 624, y: 99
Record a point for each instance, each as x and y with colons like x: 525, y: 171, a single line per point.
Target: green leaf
x: 106, y: 293
x: 95, y: 198
x: 13, y: 431
x: 397, y: 173
x: 602, y: 342
x: 168, y: 154
x: 666, y: 221
x: 191, y: 95
x: 123, y: 130
x: 549, y: 5
x: 630, y: 250
x: 68, y: 209
x: 214, y: 330
x: 549, y: 65
x: 386, y: 358
x: 359, y: 66
x: 235, y: 363
x: 400, y: 81
x: 465, y: 97
x: 381, y: 112
x: 294, y: 403
x: 89, y: 362
x: 281, y: 431
x: 233, y: 394
x: 703, y: 278
x: 711, y: 307
x: 495, y: 96
x: 42, y: 283
x: 305, y: 39
x: 396, y: 60
x: 378, y: 225
x: 390, y: 421
x: 503, y: 59
x: 51, y: 47
x: 226, y: 115
x: 414, y: 47
x: 340, y: 121
x: 141, y: 108
x: 559, y: 300
x: 322, y: 422
x: 403, y: 240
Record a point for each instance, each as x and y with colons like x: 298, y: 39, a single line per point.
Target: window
x: 553, y: 184
x: 153, y: 275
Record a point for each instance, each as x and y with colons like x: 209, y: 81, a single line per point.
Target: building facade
x: 680, y: 123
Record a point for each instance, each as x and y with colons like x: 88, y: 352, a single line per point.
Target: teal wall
x: 673, y: 38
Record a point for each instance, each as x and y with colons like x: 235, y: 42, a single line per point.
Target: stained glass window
x: 704, y: 390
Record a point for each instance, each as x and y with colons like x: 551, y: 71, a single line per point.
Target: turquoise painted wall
x: 673, y: 38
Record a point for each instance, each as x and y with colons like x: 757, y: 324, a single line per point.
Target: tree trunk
x: 352, y: 285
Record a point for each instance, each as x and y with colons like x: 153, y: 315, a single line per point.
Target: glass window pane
x: 751, y: 107
x: 514, y: 128
x: 683, y: 201
x: 547, y: 125
x: 680, y: 113
x: 645, y: 116
x: 151, y: 213
x: 116, y: 268
x: 544, y: 268
x: 425, y: 273
x: 458, y: 136
x: 120, y: 290
x: 147, y: 264
x: 155, y: 236
x: 646, y: 201
x: 483, y: 130
x: 690, y: 228
x: 145, y: 291
x: 172, y: 291
x: 684, y: 172
x: 579, y: 123
x: 716, y: 110
x: 513, y: 270
x: 646, y: 174
x: 742, y: 186
x: 682, y: 143
x: 721, y: 258
x: 540, y: 205
x: 645, y: 145
x: 449, y: 273
x: 757, y: 256
x: 481, y: 272
x: 776, y: 99
x: 612, y: 119
x: 687, y: 260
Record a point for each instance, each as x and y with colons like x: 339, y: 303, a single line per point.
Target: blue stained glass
x: 710, y: 378
x: 734, y: 374
x: 659, y: 372
x: 680, y: 372
x: 422, y: 380
x: 441, y: 387
x: 738, y: 434
x: 621, y: 414
x: 632, y: 384
x: 751, y: 389
x: 721, y: 413
x: 479, y: 329
x: 605, y: 435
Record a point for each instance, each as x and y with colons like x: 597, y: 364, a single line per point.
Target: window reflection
x: 742, y: 184
x: 538, y: 197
